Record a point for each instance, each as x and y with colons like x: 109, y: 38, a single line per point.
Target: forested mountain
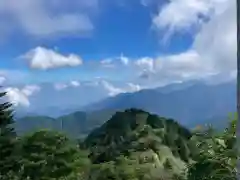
x: 75, y: 124
x: 144, y: 138
x: 135, y: 144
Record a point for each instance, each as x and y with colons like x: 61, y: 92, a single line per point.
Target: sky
x: 120, y: 45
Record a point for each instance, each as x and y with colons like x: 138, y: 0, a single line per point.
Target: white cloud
x: 113, y: 62
x: 62, y: 86
x: 146, y: 63
x: 20, y: 97
x: 75, y: 83
x: 42, y: 58
x: 30, y: 89
x: 134, y: 87
x: 113, y: 91
x: 173, y: 67
x: 124, y: 59
x: 183, y: 66
x: 182, y: 15
x: 214, y: 49
x: 47, y: 18
x: 16, y: 97
x: 216, y: 43
x: 107, y: 63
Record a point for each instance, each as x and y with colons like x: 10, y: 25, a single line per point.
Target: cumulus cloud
x: 214, y: 50
x: 182, y: 15
x: 20, y: 97
x: 184, y: 66
x: 16, y: 97
x: 48, y: 18
x: 216, y: 43
x: 43, y: 58
x: 146, y: 63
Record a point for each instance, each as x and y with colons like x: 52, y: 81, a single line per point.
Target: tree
x: 50, y: 155
x: 217, y: 157
x: 8, y: 160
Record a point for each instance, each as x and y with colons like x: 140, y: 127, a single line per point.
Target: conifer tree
x: 49, y: 155
x: 7, y: 138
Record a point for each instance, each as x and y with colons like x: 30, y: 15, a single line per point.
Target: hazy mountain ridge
x: 190, y: 104
x: 195, y: 102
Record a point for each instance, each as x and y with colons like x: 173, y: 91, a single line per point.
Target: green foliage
x: 8, y: 160
x: 50, y: 155
x: 218, y: 155
x: 132, y: 145
x: 143, y: 137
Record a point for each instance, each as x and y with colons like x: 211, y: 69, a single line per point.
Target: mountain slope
x: 150, y: 140
x: 75, y: 124
x: 193, y: 103
x: 32, y: 123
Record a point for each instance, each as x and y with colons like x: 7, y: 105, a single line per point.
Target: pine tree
x: 7, y: 138
x: 48, y: 155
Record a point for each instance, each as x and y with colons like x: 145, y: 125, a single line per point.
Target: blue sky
x: 117, y: 29
x: 144, y: 43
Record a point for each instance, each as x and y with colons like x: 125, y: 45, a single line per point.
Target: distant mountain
x: 178, y: 86
x: 75, y: 124
x: 190, y: 103
x: 156, y: 143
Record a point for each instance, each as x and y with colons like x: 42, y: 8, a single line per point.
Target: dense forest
x: 132, y: 145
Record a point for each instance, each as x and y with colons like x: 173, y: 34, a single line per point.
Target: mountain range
x: 191, y: 104
x: 188, y: 103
